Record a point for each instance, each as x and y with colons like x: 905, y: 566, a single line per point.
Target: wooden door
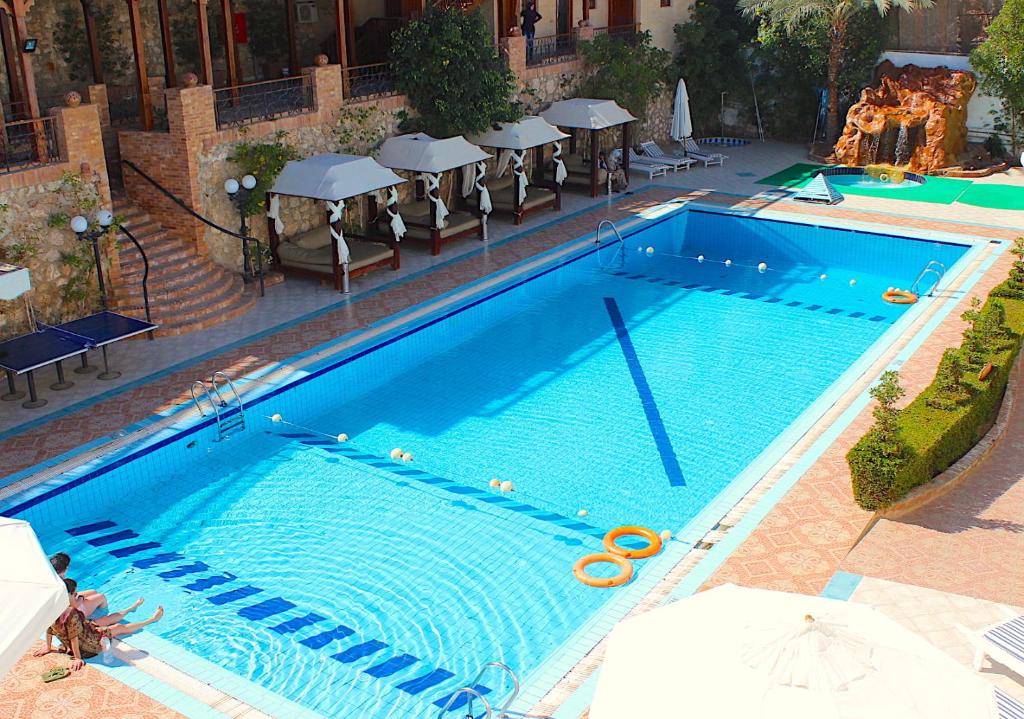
x: 620, y: 12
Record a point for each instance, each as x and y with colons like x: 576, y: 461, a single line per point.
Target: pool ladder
x: 618, y: 259
x: 228, y: 424
x: 934, y: 267
x: 489, y: 712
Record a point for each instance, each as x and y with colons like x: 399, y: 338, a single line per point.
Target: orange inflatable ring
x: 579, y: 570
x: 652, y: 548
x: 899, y: 297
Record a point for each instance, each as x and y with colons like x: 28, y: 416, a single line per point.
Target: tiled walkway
x: 85, y: 694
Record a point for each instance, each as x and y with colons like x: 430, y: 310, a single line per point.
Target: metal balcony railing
x: 258, y: 101
x: 28, y: 143
x: 367, y: 81
x: 550, y: 49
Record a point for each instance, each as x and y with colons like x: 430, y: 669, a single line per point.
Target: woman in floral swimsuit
x: 83, y: 638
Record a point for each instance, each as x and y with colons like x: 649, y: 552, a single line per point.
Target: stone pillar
x: 80, y: 140
x: 327, y: 91
x: 515, y: 47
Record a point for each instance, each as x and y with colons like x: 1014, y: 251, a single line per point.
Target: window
x: 666, y: 3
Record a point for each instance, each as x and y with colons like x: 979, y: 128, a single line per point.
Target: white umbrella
x: 32, y: 596
x: 758, y: 654
x: 682, y: 125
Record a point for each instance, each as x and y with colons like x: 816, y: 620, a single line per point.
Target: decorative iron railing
x: 626, y: 33
x: 258, y: 101
x: 28, y: 143
x: 550, y: 49
x: 366, y: 81
x: 19, y: 110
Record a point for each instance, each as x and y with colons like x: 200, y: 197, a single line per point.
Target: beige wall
x: 661, y: 21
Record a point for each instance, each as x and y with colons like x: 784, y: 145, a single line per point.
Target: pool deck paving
x: 967, y: 543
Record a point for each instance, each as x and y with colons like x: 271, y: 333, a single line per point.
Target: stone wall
x: 35, y: 205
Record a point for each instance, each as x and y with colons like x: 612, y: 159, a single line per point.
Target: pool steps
x: 231, y: 421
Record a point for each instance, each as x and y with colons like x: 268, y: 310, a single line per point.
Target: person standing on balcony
x: 530, y: 19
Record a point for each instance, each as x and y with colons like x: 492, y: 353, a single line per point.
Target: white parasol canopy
x: 420, y: 152
x: 531, y: 131
x: 738, y: 652
x: 32, y: 596
x: 682, y: 124
x: 587, y: 113
x: 333, y: 177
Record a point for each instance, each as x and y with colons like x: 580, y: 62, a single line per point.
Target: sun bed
x: 652, y: 151
x: 459, y: 223
x: 537, y: 197
x: 708, y: 158
x: 1008, y: 707
x: 1004, y: 642
x: 644, y: 164
x: 314, y: 253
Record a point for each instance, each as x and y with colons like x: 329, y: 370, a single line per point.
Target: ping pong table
x: 52, y: 344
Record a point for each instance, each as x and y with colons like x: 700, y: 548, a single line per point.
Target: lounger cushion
x: 535, y: 196
x: 362, y: 253
x: 456, y: 222
x: 315, y: 239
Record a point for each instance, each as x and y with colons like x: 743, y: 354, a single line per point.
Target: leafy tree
x: 446, y: 64
x: 712, y: 45
x: 70, y: 37
x: 999, y: 61
x: 838, y: 14
x: 264, y: 161
x: 794, y: 63
x: 632, y: 72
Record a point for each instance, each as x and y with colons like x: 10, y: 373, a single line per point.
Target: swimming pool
x: 631, y: 384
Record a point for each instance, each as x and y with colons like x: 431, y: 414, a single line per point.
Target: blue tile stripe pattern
x: 739, y: 294
x: 661, y: 439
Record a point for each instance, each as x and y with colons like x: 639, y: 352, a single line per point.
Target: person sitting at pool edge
x: 83, y: 638
x: 89, y: 599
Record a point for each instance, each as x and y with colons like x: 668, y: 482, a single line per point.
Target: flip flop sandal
x: 56, y: 673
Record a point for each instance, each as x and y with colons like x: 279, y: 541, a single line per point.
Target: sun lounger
x: 651, y: 150
x: 646, y: 165
x: 1008, y: 707
x: 708, y: 158
x: 314, y: 253
x: 1004, y: 642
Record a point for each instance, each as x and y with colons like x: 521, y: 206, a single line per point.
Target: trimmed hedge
x: 934, y: 437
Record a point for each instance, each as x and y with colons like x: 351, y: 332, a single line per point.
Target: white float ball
x: 762, y: 267
x: 823, y: 276
x: 700, y: 258
x: 495, y: 482
x: 396, y: 453
x: 506, y: 486
x: 343, y: 437
x: 276, y: 418
x: 890, y: 289
x: 666, y: 535
x: 728, y: 263
x: 853, y: 283
x: 650, y: 250
x: 407, y: 457
x: 639, y: 248
x: 582, y: 513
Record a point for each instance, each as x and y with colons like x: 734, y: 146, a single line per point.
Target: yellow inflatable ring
x: 579, y: 570
x: 652, y: 548
x: 899, y: 297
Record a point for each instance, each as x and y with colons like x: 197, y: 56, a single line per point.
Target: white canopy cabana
x: 32, y: 596
x: 515, y: 138
x: 334, y: 178
x: 593, y: 115
x: 429, y: 158
x: 738, y: 652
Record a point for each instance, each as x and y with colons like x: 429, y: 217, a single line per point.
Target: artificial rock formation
x: 916, y: 118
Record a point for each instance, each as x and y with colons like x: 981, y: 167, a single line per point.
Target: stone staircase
x: 187, y: 291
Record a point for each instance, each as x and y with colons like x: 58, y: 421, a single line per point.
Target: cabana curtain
x: 504, y: 157
x: 485, y: 195
x: 274, y: 213
x: 519, y: 174
x: 433, y: 184
x: 390, y: 202
x: 337, y: 209
x: 560, y: 172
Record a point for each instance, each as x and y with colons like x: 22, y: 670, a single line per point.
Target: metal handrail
x: 929, y: 268
x: 620, y: 252
x: 145, y: 274
x: 231, y: 386
x: 472, y: 693
x: 209, y: 398
x: 209, y: 223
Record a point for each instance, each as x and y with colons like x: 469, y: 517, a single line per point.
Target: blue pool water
x: 633, y: 386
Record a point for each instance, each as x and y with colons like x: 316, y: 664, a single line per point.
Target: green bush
x: 1013, y: 288
x: 936, y: 431
x: 630, y: 72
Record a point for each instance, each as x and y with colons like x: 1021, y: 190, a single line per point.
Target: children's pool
x: 628, y: 385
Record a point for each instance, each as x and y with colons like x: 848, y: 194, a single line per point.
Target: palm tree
x: 790, y: 13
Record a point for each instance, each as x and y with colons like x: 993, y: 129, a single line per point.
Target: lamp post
x: 239, y: 194
x: 80, y: 226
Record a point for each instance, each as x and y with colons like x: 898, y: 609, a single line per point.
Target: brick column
x: 327, y: 92
x: 97, y: 95
x: 157, y: 85
x: 585, y: 33
x: 80, y: 140
x: 515, y: 46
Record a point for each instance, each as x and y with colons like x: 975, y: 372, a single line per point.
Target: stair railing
x: 208, y: 222
x: 145, y: 275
